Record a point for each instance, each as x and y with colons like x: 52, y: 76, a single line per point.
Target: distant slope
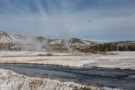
x: 28, y: 43
x: 19, y: 42
x: 5, y: 38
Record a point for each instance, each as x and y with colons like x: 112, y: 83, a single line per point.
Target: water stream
x: 113, y: 78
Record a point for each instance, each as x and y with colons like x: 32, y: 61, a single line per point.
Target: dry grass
x: 49, y: 54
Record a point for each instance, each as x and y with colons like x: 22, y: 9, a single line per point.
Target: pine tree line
x: 108, y: 47
x: 112, y: 47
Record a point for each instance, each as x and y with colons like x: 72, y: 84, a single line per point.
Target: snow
x: 20, y: 53
x: 55, y: 60
x: 55, y: 41
x: 6, y: 38
x: 121, y: 60
x: 13, y: 81
x: 86, y: 42
x: 10, y: 80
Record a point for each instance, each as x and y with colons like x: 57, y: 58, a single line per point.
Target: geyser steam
x: 65, y: 35
x: 32, y: 44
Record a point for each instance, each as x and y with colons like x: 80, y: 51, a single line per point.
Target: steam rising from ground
x: 32, y: 44
x: 64, y: 34
x: 29, y: 43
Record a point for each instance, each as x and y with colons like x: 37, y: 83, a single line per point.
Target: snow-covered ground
x: 10, y: 80
x: 122, y: 60
x: 28, y: 53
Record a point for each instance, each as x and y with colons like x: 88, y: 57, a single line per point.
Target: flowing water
x: 113, y: 78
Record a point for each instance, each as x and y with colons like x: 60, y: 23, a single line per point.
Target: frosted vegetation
x: 10, y: 80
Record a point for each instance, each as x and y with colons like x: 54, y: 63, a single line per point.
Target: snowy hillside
x: 29, y: 43
x: 19, y: 42
x: 5, y: 38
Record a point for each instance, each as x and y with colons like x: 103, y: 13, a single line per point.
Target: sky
x: 97, y: 20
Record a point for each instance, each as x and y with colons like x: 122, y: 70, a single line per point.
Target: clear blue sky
x: 86, y: 19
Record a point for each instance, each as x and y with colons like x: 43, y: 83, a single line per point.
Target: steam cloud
x: 31, y: 44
